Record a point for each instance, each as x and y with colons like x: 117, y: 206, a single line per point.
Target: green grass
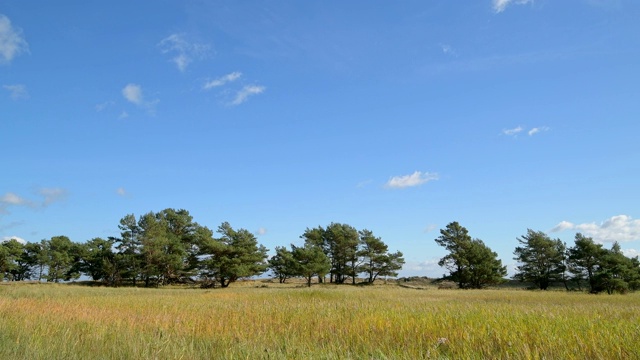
x: 46, y: 321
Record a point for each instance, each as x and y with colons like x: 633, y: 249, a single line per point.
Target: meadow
x: 268, y: 321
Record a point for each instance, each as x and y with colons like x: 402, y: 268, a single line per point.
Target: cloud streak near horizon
x: 621, y: 228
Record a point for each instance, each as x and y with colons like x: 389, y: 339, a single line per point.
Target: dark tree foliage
x: 352, y: 252
x: 376, y: 259
x: 541, y: 259
x: 603, y: 269
x: 310, y: 261
x: 282, y: 264
x: 236, y: 254
x: 471, y: 264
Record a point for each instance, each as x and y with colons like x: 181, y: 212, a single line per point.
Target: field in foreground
x: 46, y: 321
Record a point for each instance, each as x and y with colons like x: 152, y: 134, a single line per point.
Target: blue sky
x: 398, y: 117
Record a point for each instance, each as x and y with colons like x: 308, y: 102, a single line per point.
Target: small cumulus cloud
x: 17, y: 92
x: 562, y: 226
x: 243, y: 94
x: 222, y: 80
x: 501, y: 5
x: 122, y: 192
x: 261, y: 231
x: 12, y: 42
x: 619, y: 228
x: 183, y: 51
x: 133, y: 94
x: 415, y: 179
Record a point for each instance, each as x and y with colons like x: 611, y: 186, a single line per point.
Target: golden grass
x: 47, y: 321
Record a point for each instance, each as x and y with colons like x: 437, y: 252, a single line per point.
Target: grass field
x: 250, y: 321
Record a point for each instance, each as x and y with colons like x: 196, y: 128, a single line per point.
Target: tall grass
x: 47, y: 321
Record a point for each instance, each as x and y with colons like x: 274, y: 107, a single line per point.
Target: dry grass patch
x: 325, y: 322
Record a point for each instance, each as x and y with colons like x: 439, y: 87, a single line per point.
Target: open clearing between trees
x: 251, y: 320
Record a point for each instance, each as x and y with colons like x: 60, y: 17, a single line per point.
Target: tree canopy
x: 471, y: 263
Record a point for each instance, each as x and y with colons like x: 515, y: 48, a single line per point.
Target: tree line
x: 168, y: 247
x: 542, y: 261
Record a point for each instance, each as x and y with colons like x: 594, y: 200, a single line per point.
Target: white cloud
x: 631, y: 253
x: 12, y: 43
x: 184, y: 52
x: 48, y: 195
x: 430, y: 228
x: 52, y: 195
x: 18, y: 239
x: 415, y: 179
x: 562, y: 226
x: 536, y: 130
x: 222, y: 80
x: 501, y: 5
x: 122, y: 192
x: 133, y: 93
x: 13, y: 199
x: 619, y: 228
x: 261, y: 231
x: 427, y: 267
x: 123, y: 115
x: 17, y: 91
x: 245, y: 92
x: 448, y: 50
x: 512, y: 132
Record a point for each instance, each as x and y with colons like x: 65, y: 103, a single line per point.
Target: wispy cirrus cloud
x: 501, y: 5
x: 105, y: 105
x: 430, y: 228
x: 537, y: 130
x: 183, y: 51
x: 12, y: 199
x: 52, y: 195
x: 243, y: 94
x: 448, y: 50
x: 517, y: 130
x: 47, y: 197
x: 619, y: 228
x: 12, y: 42
x: 17, y: 91
x: 364, y: 183
x: 231, y: 77
x: 415, y: 179
x: 512, y: 132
